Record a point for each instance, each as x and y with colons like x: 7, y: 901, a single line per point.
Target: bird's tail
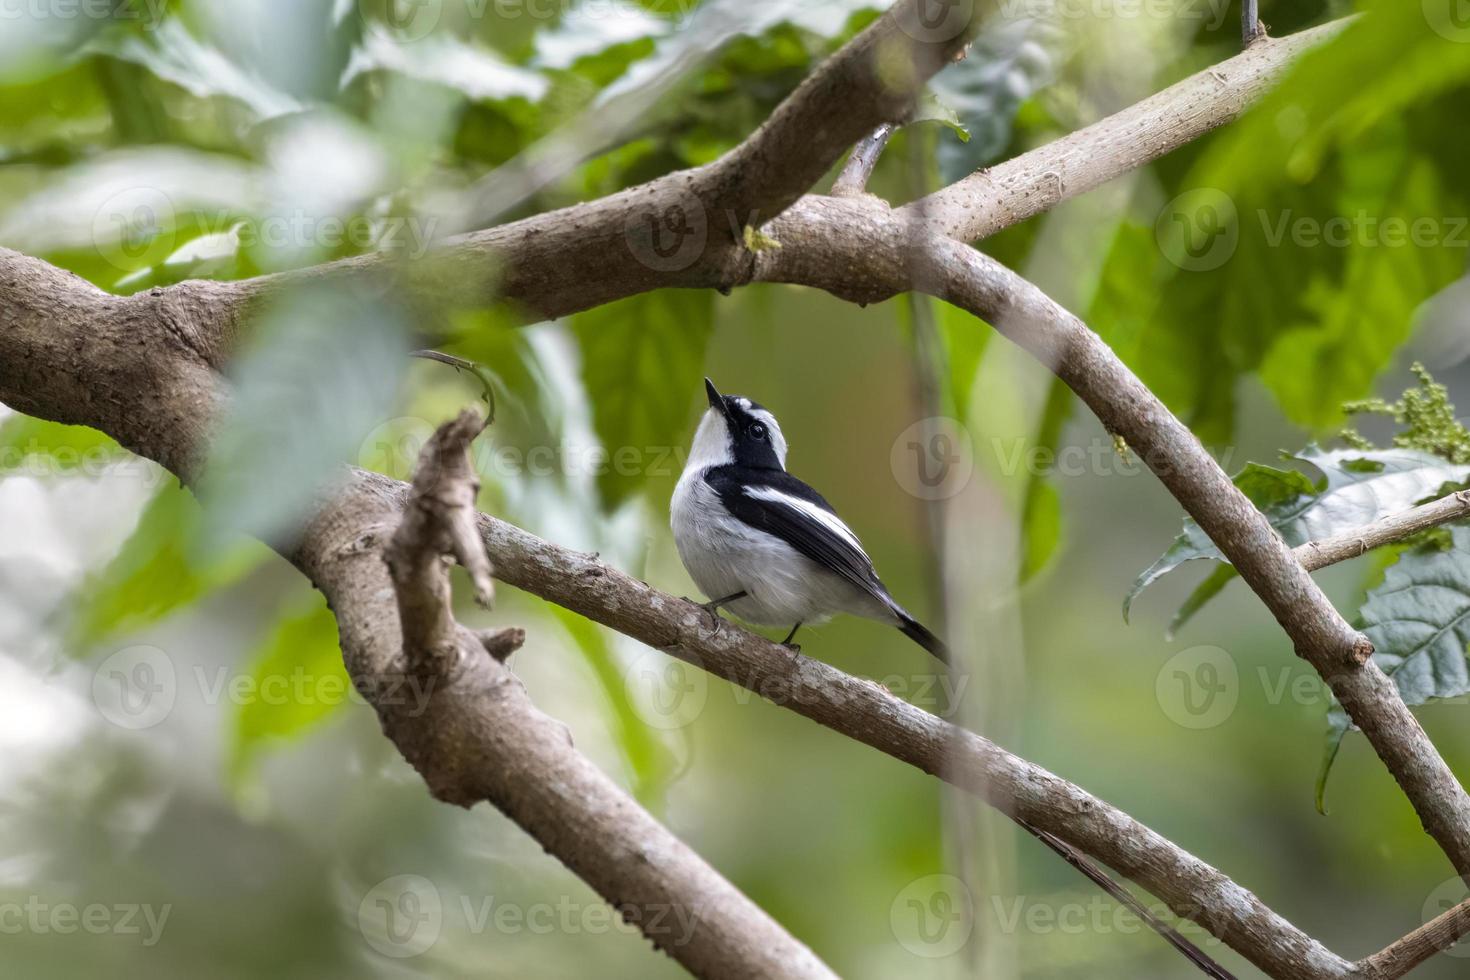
x: 916, y: 631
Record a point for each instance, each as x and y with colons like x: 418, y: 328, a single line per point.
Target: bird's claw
x: 712, y: 610
x: 795, y: 648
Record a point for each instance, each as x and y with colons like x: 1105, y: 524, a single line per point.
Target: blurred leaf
x: 648, y: 760
x: 63, y: 447
x: 297, y: 680
x: 1360, y: 318
x: 474, y: 72
x: 173, y: 54
x: 1418, y: 619
x: 1041, y: 519
x: 931, y: 108
x: 1358, y: 487
x: 320, y: 373
x: 1009, y: 62
x: 1309, y: 278
x: 964, y: 338
x: 159, y: 570
x: 642, y: 360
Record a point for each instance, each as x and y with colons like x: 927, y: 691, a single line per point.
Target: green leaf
x: 1418, y: 620
x: 297, y: 681
x: 1358, y: 487
x: 1008, y: 63
x: 320, y: 374
x: 1356, y: 320
x: 159, y: 570
x: 642, y: 360
x: 28, y: 443
x: 648, y: 760
x: 1041, y: 516
x: 931, y: 108
x: 173, y: 54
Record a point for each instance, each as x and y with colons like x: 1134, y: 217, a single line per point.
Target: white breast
x: 724, y: 555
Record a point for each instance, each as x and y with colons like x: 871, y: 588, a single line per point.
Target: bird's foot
x: 795, y: 648
x: 711, y: 610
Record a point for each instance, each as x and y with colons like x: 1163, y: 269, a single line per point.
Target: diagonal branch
x: 99, y: 353
x: 1396, y: 527
x: 1435, y: 936
x: 995, y: 198
x: 474, y: 735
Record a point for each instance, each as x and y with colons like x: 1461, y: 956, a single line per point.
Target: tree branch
x: 860, y: 163
x: 93, y: 337
x: 1435, y: 936
x: 995, y: 198
x: 1396, y: 527
x: 476, y: 736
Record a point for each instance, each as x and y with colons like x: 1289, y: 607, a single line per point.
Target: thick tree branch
x: 49, y: 314
x: 995, y: 198
x: 473, y: 734
x: 1396, y: 527
x: 71, y: 353
x: 141, y: 369
x: 1126, y: 407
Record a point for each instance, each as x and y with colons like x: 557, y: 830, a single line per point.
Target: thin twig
x: 1396, y: 527
x: 1435, y: 936
x: 1250, y: 23
x: 860, y: 163
x: 1126, y: 898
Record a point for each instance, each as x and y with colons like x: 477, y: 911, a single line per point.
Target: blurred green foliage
x: 228, y: 140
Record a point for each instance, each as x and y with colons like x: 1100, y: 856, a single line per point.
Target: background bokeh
x: 187, y: 788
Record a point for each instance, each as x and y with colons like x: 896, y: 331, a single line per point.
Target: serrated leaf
x: 297, y: 681
x: 1418, y: 619
x: 1357, y: 487
x: 642, y: 361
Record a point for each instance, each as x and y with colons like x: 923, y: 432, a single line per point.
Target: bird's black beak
x: 715, y: 399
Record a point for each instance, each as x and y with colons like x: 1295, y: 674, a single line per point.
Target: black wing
x: 772, y: 501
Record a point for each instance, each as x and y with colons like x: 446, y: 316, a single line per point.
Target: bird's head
x: 737, y: 430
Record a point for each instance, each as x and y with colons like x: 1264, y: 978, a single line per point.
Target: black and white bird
x: 763, y: 544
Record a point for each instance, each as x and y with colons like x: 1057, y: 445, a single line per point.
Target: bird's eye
x: 758, y: 430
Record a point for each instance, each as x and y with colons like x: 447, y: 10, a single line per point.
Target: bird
x: 763, y: 544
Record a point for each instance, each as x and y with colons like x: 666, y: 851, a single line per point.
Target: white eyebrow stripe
x: 778, y: 440
x: 808, y: 509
